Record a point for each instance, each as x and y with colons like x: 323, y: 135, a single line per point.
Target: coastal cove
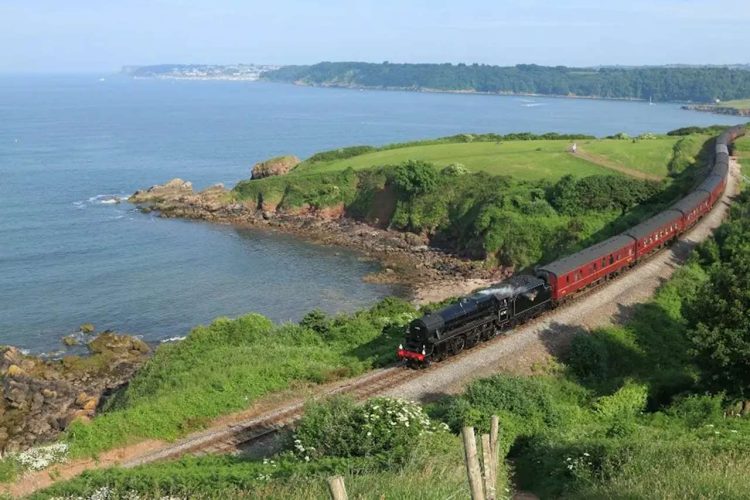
x: 71, y: 146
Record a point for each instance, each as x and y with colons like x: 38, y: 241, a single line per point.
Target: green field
x: 742, y: 146
x: 742, y: 151
x: 524, y: 160
x: 651, y: 156
x: 738, y: 104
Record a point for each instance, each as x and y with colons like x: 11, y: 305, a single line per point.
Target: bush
x: 530, y: 401
x: 628, y: 401
x: 383, y: 427
x: 588, y: 357
x: 340, y: 154
x: 454, y: 170
x: 697, y: 410
x: 415, y: 177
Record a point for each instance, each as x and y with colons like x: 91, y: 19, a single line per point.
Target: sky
x: 103, y: 35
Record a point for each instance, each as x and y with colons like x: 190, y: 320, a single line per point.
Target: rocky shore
x: 42, y: 397
x: 406, y: 257
x: 721, y: 110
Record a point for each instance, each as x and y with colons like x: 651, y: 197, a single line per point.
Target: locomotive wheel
x: 472, y: 339
x: 488, y: 332
x: 457, y: 345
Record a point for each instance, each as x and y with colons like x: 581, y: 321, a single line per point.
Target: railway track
x: 232, y: 438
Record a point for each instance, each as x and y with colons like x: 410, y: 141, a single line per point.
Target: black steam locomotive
x: 476, y: 318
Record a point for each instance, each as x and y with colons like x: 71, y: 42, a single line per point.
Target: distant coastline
x: 692, y: 85
x: 720, y: 110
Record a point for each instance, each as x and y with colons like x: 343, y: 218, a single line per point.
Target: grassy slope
x: 525, y: 160
x: 650, y: 156
x: 742, y: 150
x: 229, y: 364
x: 738, y: 104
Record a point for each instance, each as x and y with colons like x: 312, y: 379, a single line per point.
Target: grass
x: 742, y: 150
x: 526, y: 160
x: 742, y: 146
x: 434, y: 470
x: 737, y: 104
x: 226, y: 366
x: 650, y: 156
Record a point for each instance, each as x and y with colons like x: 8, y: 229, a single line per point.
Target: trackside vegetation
x: 229, y: 364
x: 631, y: 411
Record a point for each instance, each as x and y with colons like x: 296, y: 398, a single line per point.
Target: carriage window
x: 611, y: 260
x: 594, y: 266
x: 567, y: 279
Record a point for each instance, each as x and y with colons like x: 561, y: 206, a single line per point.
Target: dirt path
x: 521, y: 352
x: 605, y: 162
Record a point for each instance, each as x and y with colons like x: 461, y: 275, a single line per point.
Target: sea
x: 72, y: 145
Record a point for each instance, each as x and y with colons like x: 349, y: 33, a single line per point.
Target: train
x: 496, y: 310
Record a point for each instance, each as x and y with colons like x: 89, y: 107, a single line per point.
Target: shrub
x: 383, y: 427
x: 697, y: 410
x: 340, y: 154
x: 529, y: 400
x: 454, y: 170
x: 588, y: 357
x: 628, y: 401
x: 415, y: 177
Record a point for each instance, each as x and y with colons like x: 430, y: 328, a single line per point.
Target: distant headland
x: 671, y: 83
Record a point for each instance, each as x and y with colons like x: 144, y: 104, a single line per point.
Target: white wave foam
x: 173, y: 339
x: 104, y: 199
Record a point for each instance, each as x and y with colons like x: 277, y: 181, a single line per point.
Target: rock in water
x: 40, y: 397
x: 275, y: 166
x: 172, y: 189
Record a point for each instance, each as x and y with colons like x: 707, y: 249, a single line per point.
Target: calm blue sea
x: 67, y: 143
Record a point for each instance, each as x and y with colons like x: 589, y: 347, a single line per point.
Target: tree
x: 415, y: 177
x: 719, y: 316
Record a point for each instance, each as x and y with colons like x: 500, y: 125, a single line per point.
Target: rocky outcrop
x: 41, y: 397
x: 275, y: 166
x: 407, y: 258
x: 721, y: 110
x: 174, y: 188
x: 177, y: 199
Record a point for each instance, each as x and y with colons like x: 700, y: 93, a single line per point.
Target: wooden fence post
x: 338, y: 490
x: 494, y: 430
x: 494, y: 438
x: 472, y: 463
x: 489, y: 479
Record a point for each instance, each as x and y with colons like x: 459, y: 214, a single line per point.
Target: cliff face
x: 40, y: 397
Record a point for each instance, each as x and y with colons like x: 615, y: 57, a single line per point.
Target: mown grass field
x: 742, y: 151
x: 737, y: 104
x: 523, y: 160
x: 651, y: 156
